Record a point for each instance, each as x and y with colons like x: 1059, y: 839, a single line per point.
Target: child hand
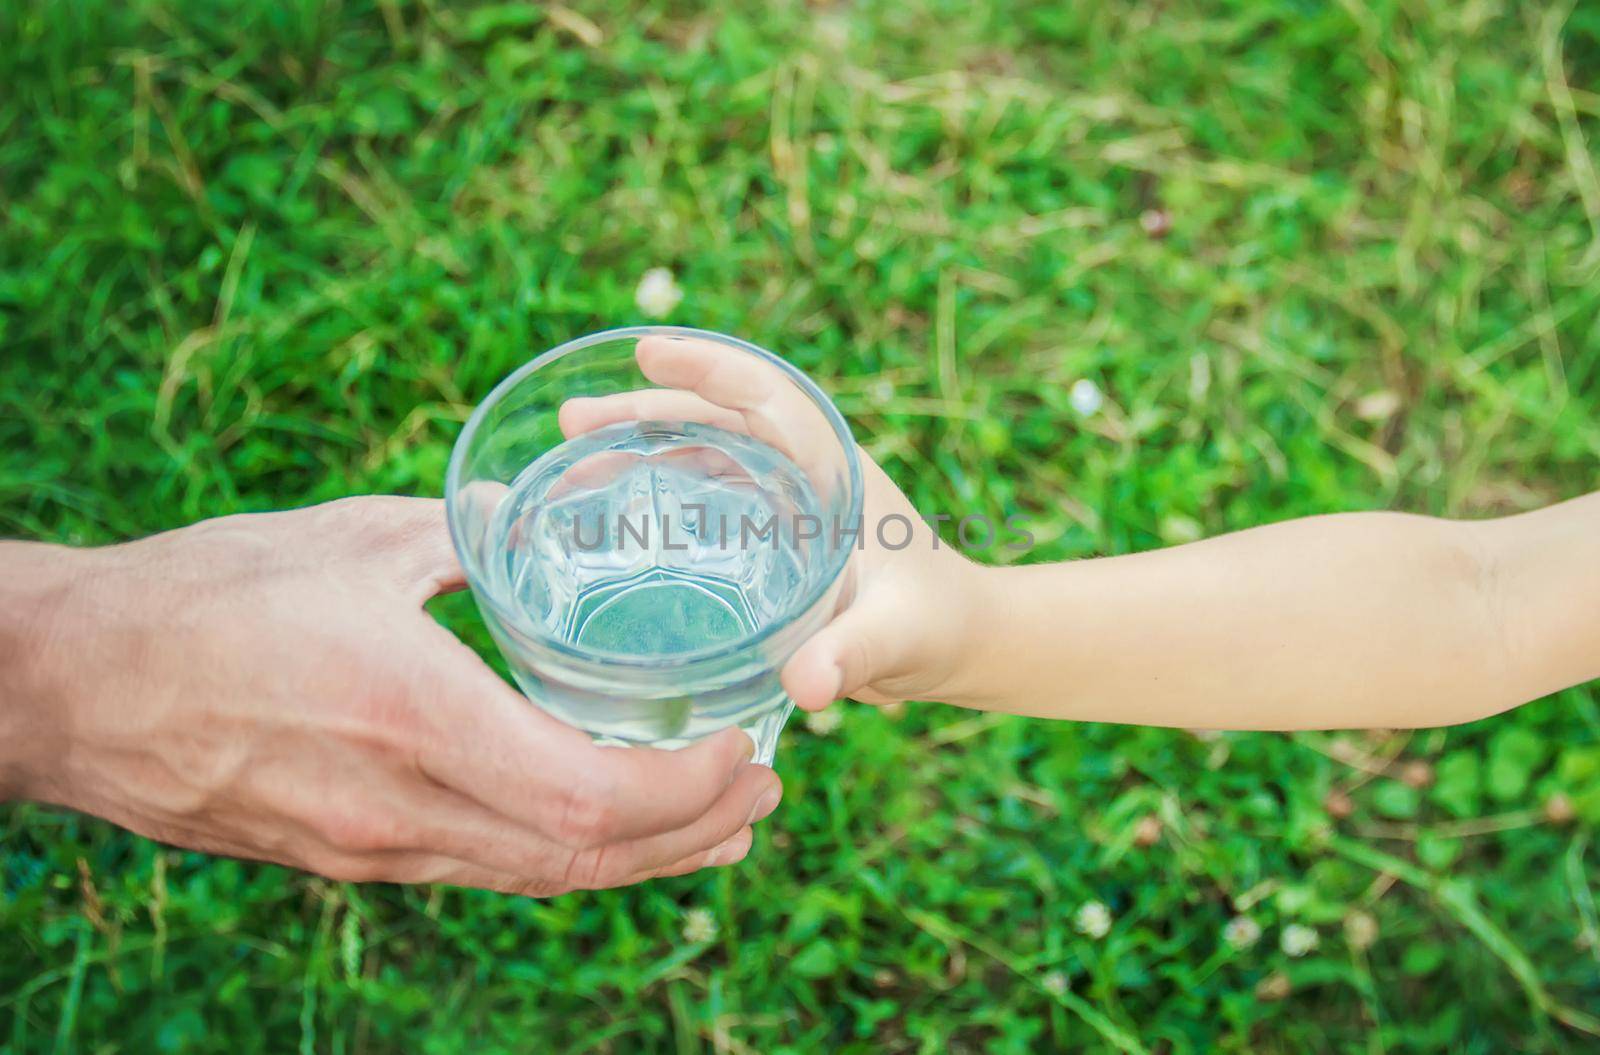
x: 903, y: 630
x: 902, y: 626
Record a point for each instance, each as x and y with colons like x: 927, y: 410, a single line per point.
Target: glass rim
x: 458, y: 453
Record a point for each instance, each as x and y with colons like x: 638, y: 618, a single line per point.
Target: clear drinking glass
x: 652, y: 520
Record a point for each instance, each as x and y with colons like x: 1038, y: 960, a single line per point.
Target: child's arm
x: 1368, y: 619
x: 1364, y: 619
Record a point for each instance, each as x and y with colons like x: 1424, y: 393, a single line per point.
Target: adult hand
x: 903, y: 630
x: 268, y: 686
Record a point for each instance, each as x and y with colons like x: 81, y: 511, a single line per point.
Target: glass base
x: 763, y: 731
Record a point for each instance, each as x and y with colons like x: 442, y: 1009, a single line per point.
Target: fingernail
x: 838, y: 684
x: 765, y: 806
x: 724, y: 853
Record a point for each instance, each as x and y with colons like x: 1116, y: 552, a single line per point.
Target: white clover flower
x: 1086, y: 397
x: 699, y: 925
x: 1093, y: 919
x: 1241, y: 932
x: 826, y: 721
x: 658, y: 293
x: 1055, y: 983
x: 1297, y: 940
x: 1360, y: 930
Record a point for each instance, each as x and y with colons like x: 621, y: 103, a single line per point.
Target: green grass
x: 262, y: 254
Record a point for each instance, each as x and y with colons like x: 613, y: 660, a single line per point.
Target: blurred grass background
x: 1317, y: 255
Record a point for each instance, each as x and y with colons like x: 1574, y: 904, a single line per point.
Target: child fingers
x: 862, y: 645
x: 774, y: 408
x: 583, y: 414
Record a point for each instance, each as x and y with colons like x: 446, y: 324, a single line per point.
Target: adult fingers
x: 405, y: 820
x: 425, y: 818
x: 442, y: 869
x: 486, y: 741
x: 626, y: 862
x: 381, y: 820
x: 733, y: 850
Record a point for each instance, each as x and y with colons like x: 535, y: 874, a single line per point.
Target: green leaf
x: 1394, y: 798
x: 1457, y: 783
x: 487, y: 21
x: 817, y: 960
x: 383, y: 112
x: 1514, y: 754
x: 1437, y: 852
x: 1422, y: 958
x: 1578, y: 774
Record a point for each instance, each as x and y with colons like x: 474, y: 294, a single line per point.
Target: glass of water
x: 652, y: 521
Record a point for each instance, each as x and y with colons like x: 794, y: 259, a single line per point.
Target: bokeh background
x: 1311, y: 255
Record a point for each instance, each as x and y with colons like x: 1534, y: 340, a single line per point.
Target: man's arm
x: 269, y: 686
x: 34, y: 581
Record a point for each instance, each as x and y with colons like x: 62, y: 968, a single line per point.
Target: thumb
x: 863, y: 644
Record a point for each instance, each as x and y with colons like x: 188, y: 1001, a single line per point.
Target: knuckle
x: 362, y: 831
x: 586, y: 818
x: 355, y: 513
x: 390, y: 714
x: 368, y: 509
x: 384, y: 522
